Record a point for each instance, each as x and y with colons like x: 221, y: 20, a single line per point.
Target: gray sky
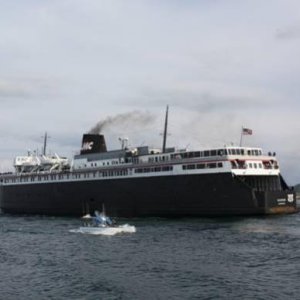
x: 219, y: 64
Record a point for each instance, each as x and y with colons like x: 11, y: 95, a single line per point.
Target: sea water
x: 227, y: 258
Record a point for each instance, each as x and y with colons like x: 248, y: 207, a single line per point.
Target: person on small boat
x: 101, y: 220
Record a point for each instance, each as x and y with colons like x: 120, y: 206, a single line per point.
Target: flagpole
x: 241, y: 139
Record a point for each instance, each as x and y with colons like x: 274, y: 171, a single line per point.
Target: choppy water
x: 236, y: 258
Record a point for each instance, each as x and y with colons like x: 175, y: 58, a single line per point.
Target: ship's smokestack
x: 93, y: 143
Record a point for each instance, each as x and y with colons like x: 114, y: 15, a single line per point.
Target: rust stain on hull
x: 282, y: 210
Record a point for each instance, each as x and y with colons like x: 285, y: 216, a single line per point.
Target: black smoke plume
x: 134, y: 119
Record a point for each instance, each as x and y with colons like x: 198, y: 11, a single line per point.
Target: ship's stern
x: 277, y: 202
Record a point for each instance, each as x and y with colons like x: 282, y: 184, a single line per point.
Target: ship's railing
x: 108, y: 172
x: 259, y: 164
x: 225, y: 152
x: 59, y: 176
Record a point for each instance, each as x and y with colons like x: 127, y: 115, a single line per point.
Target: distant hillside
x: 297, y: 188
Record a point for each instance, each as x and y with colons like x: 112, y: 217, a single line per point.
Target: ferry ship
x: 145, y: 182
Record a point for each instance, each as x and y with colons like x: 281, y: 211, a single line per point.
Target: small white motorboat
x: 101, y: 224
x: 107, y: 230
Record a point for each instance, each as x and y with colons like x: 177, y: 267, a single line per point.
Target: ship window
x: 191, y: 167
x: 220, y: 165
x: 250, y: 165
x: 255, y: 166
x: 173, y: 156
x: 212, y: 165
x: 238, y: 151
x: 233, y: 151
x: 213, y: 152
x: 197, y: 154
x: 167, y: 168
x: 200, y: 166
x: 206, y: 153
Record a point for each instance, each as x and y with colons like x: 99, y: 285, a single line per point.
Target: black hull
x: 164, y: 196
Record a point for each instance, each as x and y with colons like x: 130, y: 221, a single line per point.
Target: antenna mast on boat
x: 45, y: 143
x: 165, y: 130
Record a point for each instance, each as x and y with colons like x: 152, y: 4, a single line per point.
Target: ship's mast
x: 165, y: 130
x: 45, y: 143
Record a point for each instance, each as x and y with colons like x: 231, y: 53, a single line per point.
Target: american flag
x: 247, y: 131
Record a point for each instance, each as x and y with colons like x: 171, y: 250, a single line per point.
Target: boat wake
x: 105, y: 230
